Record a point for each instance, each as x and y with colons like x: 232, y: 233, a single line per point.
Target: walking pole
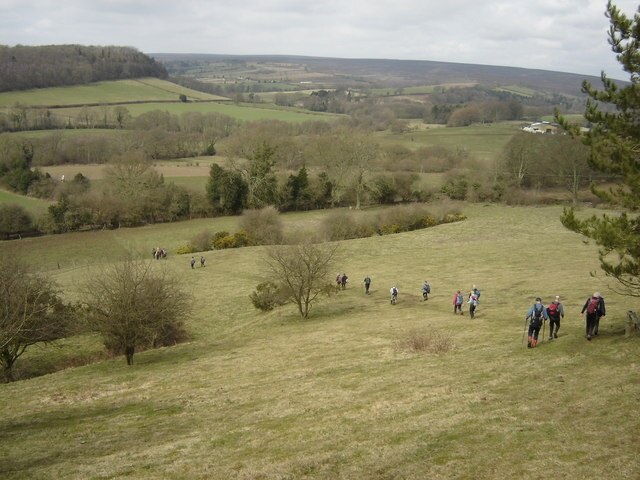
x: 544, y: 324
x: 524, y: 331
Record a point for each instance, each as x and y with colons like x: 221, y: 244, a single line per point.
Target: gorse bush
x: 267, y: 296
x: 185, y: 249
x: 222, y: 240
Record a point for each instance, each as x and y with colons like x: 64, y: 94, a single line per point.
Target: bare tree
x: 134, y: 304
x: 349, y: 157
x: 303, y: 271
x: 520, y: 155
x: 30, y: 312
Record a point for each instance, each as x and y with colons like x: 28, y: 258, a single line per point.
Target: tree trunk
x: 129, y: 351
x: 8, y: 372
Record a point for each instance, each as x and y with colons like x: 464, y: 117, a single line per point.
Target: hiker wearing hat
x: 601, y: 313
x: 555, y: 311
x: 591, y: 306
x: 536, y: 315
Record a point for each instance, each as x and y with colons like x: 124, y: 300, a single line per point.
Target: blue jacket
x: 530, y: 312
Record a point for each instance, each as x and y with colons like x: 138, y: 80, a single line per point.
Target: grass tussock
x: 424, y: 341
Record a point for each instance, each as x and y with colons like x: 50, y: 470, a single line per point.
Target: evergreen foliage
x: 614, y: 142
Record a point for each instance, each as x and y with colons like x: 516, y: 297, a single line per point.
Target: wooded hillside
x: 24, y: 67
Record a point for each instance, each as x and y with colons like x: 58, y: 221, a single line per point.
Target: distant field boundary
x: 127, y: 102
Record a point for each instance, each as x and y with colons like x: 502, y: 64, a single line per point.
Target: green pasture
x: 244, y: 112
x: 517, y: 90
x: 267, y: 395
x: 415, y: 90
x: 34, y: 206
x: 484, y: 141
x: 111, y: 92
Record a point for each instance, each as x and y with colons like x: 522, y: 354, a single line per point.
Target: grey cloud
x: 568, y: 35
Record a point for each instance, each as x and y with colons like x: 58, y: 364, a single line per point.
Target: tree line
x: 23, y: 67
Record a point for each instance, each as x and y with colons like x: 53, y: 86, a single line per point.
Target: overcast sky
x: 561, y: 35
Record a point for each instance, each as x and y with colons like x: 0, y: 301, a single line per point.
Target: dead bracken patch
x: 424, y: 341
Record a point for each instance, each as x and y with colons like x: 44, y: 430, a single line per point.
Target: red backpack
x: 552, y: 310
x: 592, y: 306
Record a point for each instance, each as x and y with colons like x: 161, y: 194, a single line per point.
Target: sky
x: 559, y: 35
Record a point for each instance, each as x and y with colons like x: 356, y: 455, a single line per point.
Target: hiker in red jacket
x: 458, y: 300
x: 591, y: 307
x: 555, y: 311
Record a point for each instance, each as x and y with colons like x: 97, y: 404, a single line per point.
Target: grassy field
x: 245, y: 112
x: 134, y: 90
x: 517, y: 90
x: 417, y: 89
x: 267, y: 396
x: 482, y: 141
x: 32, y: 205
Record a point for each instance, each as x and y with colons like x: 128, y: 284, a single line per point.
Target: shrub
x: 453, y: 217
x: 267, y: 296
x: 241, y: 239
x: 456, y: 189
x: 217, y: 237
x: 224, y: 242
x: 262, y: 227
x: 201, y: 242
x: 339, y: 225
x: 416, y: 341
x: 388, y: 229
x: 184, y: 249
x: 384, y: 190
x: 14, y: 219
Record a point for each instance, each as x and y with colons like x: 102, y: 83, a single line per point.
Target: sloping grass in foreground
x: 269, y: 396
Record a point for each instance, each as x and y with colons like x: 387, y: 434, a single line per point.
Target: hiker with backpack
x: 591, y: 307
x: 555, y: 311
x: 426, y: 290
x: 601, y: 313
x: 367, y: 284
x: 192, y: 262
x: 536, y: 315
x: 458, y: 300
x: 473, y: 304
x: 476, y: 292
x: 343, y: 281
x: 394, y: 295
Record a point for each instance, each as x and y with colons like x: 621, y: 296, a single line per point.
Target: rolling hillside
x: 105, y: 93
x: 369, y: 73
x: 266, y: 395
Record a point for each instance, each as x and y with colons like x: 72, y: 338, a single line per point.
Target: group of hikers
x: 473, y: 299
x: 159, y: 253
x: 192, y: 262
x: 538, y: 314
